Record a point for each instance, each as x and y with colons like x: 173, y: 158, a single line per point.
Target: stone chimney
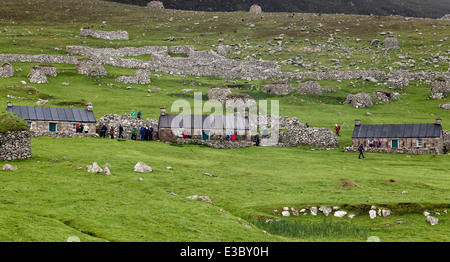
x: 89, y: 106
x: 9, y: 104
x: 357, y: 122
x: 163, y: 111
x: 438, y: 121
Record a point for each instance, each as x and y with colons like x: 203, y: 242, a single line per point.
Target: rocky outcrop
x: 359, y: 100
x: 111, y: 35
x: 15, y: 145
x: 6, y: 70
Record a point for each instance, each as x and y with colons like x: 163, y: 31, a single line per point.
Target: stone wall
x: 63, y: 129
x: 111, y: 35
x: 318, y: 137
x: 128, y: 122
x: 46, y: 59
x: 142, y: 76
x: 216, y: 144
x: 15, y: 145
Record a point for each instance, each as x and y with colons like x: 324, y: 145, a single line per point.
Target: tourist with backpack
x: 361, y: 150
x: 133, y: 133
x: 337, y: 128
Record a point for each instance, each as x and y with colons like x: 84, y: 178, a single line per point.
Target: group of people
x: 145, y: 132
x: 111, y: 131
x: 80, y: 128
x: 138, y: 115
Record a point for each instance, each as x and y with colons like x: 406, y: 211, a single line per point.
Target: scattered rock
x: 8, y: 167
x: 142, y: 167
x: 106, y: 171
x: 340, y: 213
x: 94, y: 168
x: 372, y: 213
x: 432, y: 220
x: 201, y: 198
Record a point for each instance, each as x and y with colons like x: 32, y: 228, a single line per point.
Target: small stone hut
x: 399, y: 138
x: 15, y: 142
x: 44, y: 121
x: 203, y: 127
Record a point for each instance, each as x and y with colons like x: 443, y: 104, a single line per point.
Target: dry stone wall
x: 45, y: 59
x: 111, y: 35
x: 15, y: 145
x: 128, y: 122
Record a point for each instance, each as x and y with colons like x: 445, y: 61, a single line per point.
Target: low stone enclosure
x: 15, y: 145
x: 111, y: 35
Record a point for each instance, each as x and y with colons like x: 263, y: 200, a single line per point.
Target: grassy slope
x: 50, y: 201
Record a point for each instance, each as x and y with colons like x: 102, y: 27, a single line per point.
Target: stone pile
x: 142, y: 76
x: 359, y: 100
x: 385, y: 96
x: 439, y: 87
x: 312, y: 88
x: 111, y: 35
x: 255, y: 9
x: 15, y: 145
x: 390, y: 43
x: 155, y: 4
x: 278, y: 88
x: 6, y: 70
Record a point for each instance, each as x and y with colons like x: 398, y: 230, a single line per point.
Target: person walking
x: 111, y: 132
x: 139, y: 114
x: 120, y: 131
x: 337, y: 128
x: 361, y: 150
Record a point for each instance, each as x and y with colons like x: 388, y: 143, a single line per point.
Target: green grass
x: 11, y: 122
x: 51, y: 201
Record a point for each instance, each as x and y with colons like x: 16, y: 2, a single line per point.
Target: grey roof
x: 397, y: 131
x: 204, y: 121
x: 53, y: 114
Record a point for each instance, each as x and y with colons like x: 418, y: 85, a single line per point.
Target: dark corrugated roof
x: 397, y: 131
x: 204, y: 121
x: 53, y: 114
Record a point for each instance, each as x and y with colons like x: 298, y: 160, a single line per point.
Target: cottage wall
x: 405, y: 145
x: 41, y: 128
x: 167, y: 134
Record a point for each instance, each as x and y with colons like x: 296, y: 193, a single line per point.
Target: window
x: 394, y: 143
x: 52, y: 127
x: 419, y: 142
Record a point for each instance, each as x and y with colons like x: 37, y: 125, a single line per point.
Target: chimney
x: 89, y: 106
x: 357, y: 122
x: 9, y: 104
x: 438, y: 121
x: 163, y: 111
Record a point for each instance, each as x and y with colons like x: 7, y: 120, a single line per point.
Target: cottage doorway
x: 205, y: 134
x: 394, y: 143
x: 52, y: 127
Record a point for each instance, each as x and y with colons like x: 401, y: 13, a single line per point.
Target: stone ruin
x: 141, y: 77
x: 90, y: 68
x: 359, y: 100
x: 397, y: 82
x: 235, y: 100
x: 6, y: 70
x: 439, y: 87
x: 312, y: 88
x: 255, y: 9
x: 38, y: 74
x: 218, y: 94
x: 111, y: 35
x: 385, y: 96
x: 155, y: 4
x: 128, y: 122
x: 390, y: 43
x: 279, y: 88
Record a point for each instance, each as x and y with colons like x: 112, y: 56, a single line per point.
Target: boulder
x: 326, y: 210
x: 340, y: 213
x: 106, y: 171
x: 142, y: 167
x: 8, y: 167
x: 390, y: 43
x: 94, y: 168
x: 255, y: 9
x: 445, y: 106
x: 432, y: 220
x: 372, y: 213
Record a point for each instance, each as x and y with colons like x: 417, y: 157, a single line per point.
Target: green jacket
x: 133, y: 131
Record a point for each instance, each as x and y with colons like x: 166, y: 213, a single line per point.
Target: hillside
x: 52, y: 197
x: 407, y: 8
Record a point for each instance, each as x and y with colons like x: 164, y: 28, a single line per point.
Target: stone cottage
x: 203, y: 127
x: 399, y: 138
x: 49, y: 121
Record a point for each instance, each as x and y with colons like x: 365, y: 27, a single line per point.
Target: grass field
x: 48, y: 201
